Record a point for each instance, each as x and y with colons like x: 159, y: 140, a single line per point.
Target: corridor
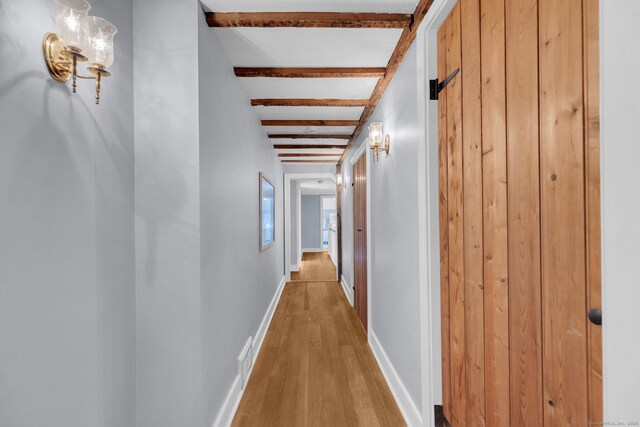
x: 315, y: 367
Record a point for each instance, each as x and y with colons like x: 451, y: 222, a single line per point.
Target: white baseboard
x: 231, y: 402
x: 411, y: 414
x: 313, y: 250
x: 295, y: 267
x: 348, y: 291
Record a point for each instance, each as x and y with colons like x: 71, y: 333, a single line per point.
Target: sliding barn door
x: 360, y: 238
x: 519, y: 213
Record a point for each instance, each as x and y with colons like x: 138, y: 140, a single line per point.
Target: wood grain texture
x: 315, y: 266
x: 307, y: 136
x: 309, y: 122
x: 309, y: 102
x: 455, y: 217
x: 308, y: 19
x: 496, y: 274
x: 525, y: 305
x: 404, y: 43
x: 472, y: 202
x: 563, y: 212
x: 315, y: 367
x: 360, y: 258
x: 312, y: 73
x: 592, y: 197
x: 443, y: 193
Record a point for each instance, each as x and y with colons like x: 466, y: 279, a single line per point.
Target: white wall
x: 238, y: 281
x: 167, y: 167
x: 620, y: 67
x: 311, y: 222
x: 67, y: 301
x: 395, y: 291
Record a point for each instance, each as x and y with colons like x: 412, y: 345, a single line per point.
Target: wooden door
x: 519, y: 213
x: 360, y: 238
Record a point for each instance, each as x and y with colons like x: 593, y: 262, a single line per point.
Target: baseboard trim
x: 313, y: 250
x: 408, y: 408
x: 231, y: 402
x: 348, y: 291
x: 295, y: 267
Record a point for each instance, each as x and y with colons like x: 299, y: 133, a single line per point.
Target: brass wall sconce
x: 375, y: 140
x: 340, y: 181
x: 79, y: 38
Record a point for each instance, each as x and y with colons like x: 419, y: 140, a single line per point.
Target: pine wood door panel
x: 519, y: 207
x: 360, y: 238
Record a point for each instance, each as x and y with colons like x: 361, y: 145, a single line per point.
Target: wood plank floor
x: 315, y: 367
x: 315, y: 266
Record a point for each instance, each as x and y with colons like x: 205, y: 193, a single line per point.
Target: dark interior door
x: 360, y: 238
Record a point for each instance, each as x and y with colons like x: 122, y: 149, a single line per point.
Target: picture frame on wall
x: 267, y: 213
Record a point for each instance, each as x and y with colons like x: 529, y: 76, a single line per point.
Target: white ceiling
x: 379, y: 6
x: 313, y: 151
x: 354, y: 88
x: 314, y: 187
x: 309, y: 113
x: 313, y: 130
x: 308, y: 47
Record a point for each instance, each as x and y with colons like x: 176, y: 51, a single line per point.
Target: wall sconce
x: 375, y: 140
x: 342, y: 183
x: 79, y: 38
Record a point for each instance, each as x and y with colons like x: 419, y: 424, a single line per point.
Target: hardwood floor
x: 315, y: 266
x: 315, y: 367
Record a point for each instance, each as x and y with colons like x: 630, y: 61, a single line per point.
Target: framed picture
x: 267, y: 213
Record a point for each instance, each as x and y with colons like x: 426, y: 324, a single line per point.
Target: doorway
x: 360, y: 239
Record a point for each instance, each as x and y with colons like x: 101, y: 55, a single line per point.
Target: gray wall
x: 311, y: 222
x: 395, y: 291
x: 67, y: 301
x: 620, y: 205
x: 167, y: 167
x: 238, y: 281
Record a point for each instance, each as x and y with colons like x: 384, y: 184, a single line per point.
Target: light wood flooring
x: 315, y: 266
x: 315, y: 367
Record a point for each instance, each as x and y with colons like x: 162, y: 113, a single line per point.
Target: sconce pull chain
x: 75, y: 73
x: 98, y: 80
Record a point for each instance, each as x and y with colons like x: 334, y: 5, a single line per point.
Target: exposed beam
x: 309, y: 72
x: 406, y: 39
x: 308, y: 19
x: 310, y: 122
x: 310, y: 161
x: 305, y: 136
x: 307, y: 155
x: 306, y: 102
x: 308, y: 146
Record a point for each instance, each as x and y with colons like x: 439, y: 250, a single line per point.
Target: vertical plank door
x: 360, y: 238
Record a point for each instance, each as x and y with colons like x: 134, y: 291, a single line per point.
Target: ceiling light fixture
x: 79, y: 38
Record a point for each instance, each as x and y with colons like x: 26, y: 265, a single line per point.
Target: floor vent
x: 245, y: 360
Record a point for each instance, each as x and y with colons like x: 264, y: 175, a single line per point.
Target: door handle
x: 360, y: 230
x: 595, y: 316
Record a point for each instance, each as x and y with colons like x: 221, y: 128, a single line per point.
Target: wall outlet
x: 245, y: 361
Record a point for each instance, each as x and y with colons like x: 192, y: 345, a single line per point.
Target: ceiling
x: 317, y: 187
x: 315, y: 70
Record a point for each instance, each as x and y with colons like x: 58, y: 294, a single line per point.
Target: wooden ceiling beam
x: 310, y: 122
x: 307, y: 155
x: 406, y: 39
x: 308, y: 102
x: 313, y: 73
x: 308, y: 136
x: 308, y: 20
x: 308, y: 146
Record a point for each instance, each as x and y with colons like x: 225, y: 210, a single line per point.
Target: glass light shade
x: 70, y: 22
x: 100, y: 34
x: 339, y: 180
x: 375, y: 134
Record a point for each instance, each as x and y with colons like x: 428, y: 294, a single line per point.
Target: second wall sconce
x: 79, y: 38
x: 375, y: 140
